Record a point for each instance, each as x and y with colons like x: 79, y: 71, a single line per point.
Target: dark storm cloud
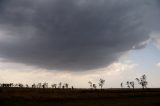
x: 72, y: 34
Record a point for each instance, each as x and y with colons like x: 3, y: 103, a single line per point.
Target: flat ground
x: 79, y: 97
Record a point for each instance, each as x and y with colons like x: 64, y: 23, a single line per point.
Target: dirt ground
x: 79, y: 97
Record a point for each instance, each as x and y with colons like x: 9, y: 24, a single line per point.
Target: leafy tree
x: 142, y: 81
x: 101, y: 82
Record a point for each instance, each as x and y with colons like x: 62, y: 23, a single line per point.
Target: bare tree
x: 60, y: 85
x: 94, y: 86
x: 20, y: 85
x: 27, y: 86
x: 72, y: 87
x: 121, y: 85
x: 45, y: 85
x: 90, y: 83
x: 66, y: 85
x: 39, y: 85
x: 54, y: 85
x: 128, y: 84
x: 101, y: 82
x: 142, y: 81
x: 132, y: 84
x: 34, y: 85
x: 11, y: 84
x: 16, y: 85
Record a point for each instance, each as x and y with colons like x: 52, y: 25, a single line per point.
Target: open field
x: 78, y: 97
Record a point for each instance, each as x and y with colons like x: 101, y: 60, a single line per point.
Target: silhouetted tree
x: 66, y: 85
x: 34, y: 85
x: 39, y: 85
x: 72, y: 87
x: 20, y: 85
x: 128, y: 84
x: 101, y: 82
x: 45, y: 85
x: 121, y: 85
x: 54, y: 85
x: 132, y: 84
x: 142, y: 81
x: 90, y: 83
x: 11, y: 85
x: 94, y: 86
x: 60, y: 85
x: 16, y: 85
x: 27, y: 86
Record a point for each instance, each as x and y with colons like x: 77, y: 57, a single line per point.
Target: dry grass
x: 78, y: 97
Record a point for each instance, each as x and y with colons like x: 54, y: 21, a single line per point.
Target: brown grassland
x: 79, y: 97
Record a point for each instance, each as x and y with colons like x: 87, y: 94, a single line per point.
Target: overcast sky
x: 79, y: 40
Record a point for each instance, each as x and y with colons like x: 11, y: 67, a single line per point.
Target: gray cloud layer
x: 73, y: 34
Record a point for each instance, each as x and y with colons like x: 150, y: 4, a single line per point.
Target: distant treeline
x: 129, y: 84
x: 38, y: 85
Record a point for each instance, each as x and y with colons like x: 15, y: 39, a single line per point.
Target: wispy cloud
x: 158, y: 64
x: 156, y: 38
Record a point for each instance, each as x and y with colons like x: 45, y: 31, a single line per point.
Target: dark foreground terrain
x: 78, y: 97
